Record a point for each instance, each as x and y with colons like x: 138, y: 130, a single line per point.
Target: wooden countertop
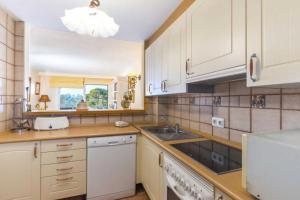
x: 72, y: 132
x: 229, y: 183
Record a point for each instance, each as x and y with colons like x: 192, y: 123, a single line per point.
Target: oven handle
x: 172, y: 184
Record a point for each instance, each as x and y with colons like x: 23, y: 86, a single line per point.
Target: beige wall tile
x: 163, y: 109
x: 170, y: 110
x: 2, y: 126
x: 9, y: 111
x: 74, y: 120
x: 185, y: 123
x: 205, y: 114
x: 291, y: 101
x: 205, y: 128
x: 272, y: 101
x: 261, y: 90
x: 290, y: 119
x: 3, y: 17
x: 19, y: 43
x: 149, y: 118
x: 177, y: 111
x: 149, y: 109
x: 239, y: 88
x: 138, y: 118
x: 3, y: 112
x: 194, y: 113
x: 245, y: 101
x: 195, y: 125
x: 2, y: 69
x: 88, y: 120
x: 221, y: 132
x: 19, y: 28
x: 2, y: 35
x: 127, y: 118
x: 236, y: 136
x: 222, y: 112
x: 113, y: 119
x: 10, y: 87
x: 185, y: 112
x: 102, y: 119
x: 290, y: 90
x: 3, y: 84
x: 19, y: 58
x: 19, y: 88
x: 19, y: 73
x: 10, y: 24
x: 264, y: 120
x: 10, y: 56
x: 10, y: 71
x: 235, y: 101
x: 240, y: 119
x: 2, y: 52
x: 10, y: 40
x: 221, y: 89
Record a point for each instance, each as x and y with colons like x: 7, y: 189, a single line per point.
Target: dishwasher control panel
x: 111, y: 140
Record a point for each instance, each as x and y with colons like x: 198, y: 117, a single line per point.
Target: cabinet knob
x: 149, y: 88
x: 35, y: 149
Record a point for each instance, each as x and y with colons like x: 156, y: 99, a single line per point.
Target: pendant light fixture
x: 90, y: 20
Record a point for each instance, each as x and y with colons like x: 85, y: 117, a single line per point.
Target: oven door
x: 175, y: 191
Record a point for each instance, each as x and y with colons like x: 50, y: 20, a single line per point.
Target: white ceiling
x: 68, y: 53
x: 138, y: 19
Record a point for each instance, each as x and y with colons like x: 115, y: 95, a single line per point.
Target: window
x: 95, y: 95
x: 70, y: 97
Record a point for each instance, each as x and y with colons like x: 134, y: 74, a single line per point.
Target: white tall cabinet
x: 20, y: 171
x: 216, y: 38
x: 165, y: 61
x: 273, y: 42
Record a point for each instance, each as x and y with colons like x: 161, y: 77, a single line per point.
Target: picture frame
x: 37, y: 88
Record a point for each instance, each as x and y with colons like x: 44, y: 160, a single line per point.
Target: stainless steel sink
x: 167, y: 133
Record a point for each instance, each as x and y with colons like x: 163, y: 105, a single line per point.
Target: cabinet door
x: 157, y: 67
x: 20, y: 171
x: 176, y: 56
x: 215, y: 36
x: 149, y: 71
x: 152, y: 173
x: 273, y: 42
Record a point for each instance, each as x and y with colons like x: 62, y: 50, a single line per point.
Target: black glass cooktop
x: 218, y: 157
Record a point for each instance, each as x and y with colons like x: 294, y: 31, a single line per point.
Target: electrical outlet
x: 218, y: 122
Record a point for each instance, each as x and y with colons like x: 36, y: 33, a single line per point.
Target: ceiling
x: 58, y: 52
x: 138, y: 19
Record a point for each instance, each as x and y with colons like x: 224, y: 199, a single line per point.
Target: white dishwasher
x: 111, y: 165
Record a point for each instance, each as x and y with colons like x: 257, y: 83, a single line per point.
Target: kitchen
x: 197, y: 99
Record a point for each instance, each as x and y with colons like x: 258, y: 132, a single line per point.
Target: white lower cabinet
x: 152, y: 170
x: 63, y: 167
x: 20, y: 171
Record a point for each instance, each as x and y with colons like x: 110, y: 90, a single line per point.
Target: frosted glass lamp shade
x: 90, y: 21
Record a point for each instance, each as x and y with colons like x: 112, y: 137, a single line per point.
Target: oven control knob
x: 193, y: 191
x: 199, y: 197
x: 187, y: 188
x: 182, y: 182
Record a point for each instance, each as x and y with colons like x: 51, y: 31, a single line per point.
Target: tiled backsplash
x: 11, y: 66
x: 245, y: 110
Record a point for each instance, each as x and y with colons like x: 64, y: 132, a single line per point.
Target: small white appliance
x: 111, y: 167
x: 121, y: 124
x: 184, y: 184
x: 271, y: 165
x: 51, y: 123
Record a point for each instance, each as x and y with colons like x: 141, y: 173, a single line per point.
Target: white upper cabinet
x: 273, y: 42
x: 165, y: 61
x: 216, y: 38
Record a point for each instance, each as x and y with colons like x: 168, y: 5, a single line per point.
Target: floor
x: 140, y: 195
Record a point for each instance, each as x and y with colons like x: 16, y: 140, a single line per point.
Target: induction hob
x: 217, y: 157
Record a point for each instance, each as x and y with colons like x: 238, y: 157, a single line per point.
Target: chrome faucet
x: 177, y: 128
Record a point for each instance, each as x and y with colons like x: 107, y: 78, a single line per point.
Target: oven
x: 181, y: 183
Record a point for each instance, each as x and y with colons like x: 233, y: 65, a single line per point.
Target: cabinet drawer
x: 63, y: 186
x: 63, y: 156
x: 63, y: 168
x: 62, y: 145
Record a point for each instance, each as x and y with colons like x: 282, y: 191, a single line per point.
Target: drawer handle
x: 64, y: 169
x: 64, y: 145
x: 64, y: 157
x: 64, y: 179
